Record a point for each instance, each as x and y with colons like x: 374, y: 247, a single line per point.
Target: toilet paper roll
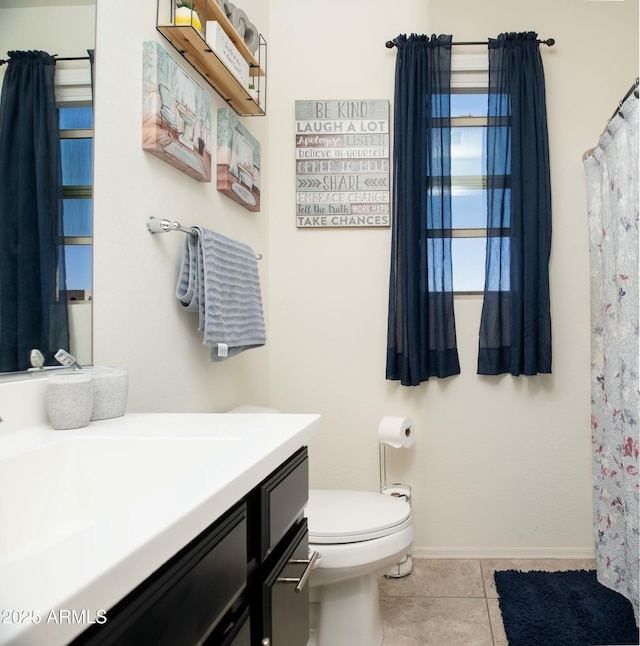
x: 396, y: 432
x: 397, y: 490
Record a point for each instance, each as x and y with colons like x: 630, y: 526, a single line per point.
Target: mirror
x: 66, y: 28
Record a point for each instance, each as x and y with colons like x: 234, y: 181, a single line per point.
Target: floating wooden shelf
x: 190, y: 43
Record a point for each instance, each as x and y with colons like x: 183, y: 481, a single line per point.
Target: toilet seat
x: 345, y: 516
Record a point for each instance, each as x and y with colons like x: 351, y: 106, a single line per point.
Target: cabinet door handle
x: 302, y: 581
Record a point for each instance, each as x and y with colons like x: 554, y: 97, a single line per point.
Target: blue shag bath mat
x: 563, y: 609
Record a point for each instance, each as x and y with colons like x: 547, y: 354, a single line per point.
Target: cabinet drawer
x: 183, y: 600
x: 233, y: 630
x: 283, y: 497
x: 285, y: 597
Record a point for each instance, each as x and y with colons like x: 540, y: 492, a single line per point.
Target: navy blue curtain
x: 33, y: 302
x: 421, y: 339
x: 515, y: 328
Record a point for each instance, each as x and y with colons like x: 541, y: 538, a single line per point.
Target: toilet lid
x: 339, y: 516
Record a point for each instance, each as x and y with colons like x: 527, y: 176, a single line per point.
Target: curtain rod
x: 63, y: 58
x: 71, y: 58
x: 550, y: 42
x: 633, y: 89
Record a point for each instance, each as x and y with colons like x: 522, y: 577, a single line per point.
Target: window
x: 469, y: 182
x: 76, y: 142
x: 468, y: 189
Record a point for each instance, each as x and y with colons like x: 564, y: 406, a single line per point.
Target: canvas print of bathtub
x: 176, y: 115
x: 238, y: 172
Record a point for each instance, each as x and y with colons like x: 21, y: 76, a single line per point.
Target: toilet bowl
x: 359, y: 536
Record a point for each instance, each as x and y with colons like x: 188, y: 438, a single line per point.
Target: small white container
x: 110, y: 390
x: 69, y: 400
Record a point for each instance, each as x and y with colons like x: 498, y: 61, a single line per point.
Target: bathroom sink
x: 55, y: 491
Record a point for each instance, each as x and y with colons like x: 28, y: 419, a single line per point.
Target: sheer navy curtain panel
x: 421, y: 339
x: 515, y: 327
x: 33, y: 302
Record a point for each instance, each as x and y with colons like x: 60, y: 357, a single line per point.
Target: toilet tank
x: 253, y: 409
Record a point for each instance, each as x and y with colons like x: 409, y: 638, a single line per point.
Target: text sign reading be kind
x: 342, y: 164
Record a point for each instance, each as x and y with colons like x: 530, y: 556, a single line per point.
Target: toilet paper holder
x: 405, y: 566
x: 397, y: 489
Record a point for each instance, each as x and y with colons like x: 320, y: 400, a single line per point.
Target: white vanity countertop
x: 90, y: 568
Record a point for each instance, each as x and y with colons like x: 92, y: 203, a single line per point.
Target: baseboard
x: 502, y: 553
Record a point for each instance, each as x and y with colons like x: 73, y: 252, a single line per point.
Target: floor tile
x: 453, y: 602
x: 437, y: 578
x: 497, y: 626
x: 420, y: 621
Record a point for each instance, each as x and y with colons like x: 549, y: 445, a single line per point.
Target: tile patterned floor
x: 452, y: 602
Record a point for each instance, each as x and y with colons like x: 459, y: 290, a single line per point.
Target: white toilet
x: 359, y: 536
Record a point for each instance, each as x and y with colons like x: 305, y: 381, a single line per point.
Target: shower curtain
x: 612, y: 195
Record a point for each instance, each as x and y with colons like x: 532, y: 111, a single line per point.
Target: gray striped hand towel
x: 219, y: 279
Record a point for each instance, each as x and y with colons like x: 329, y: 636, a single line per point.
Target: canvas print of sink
x: 176, y: 115
x: 238, y: 172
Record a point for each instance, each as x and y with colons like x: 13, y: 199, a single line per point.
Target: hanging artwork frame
x: 238, y: 161
x: 176, y: 114
x: 342, y: 164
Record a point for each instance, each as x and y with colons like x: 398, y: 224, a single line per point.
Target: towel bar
x: 162, y: 225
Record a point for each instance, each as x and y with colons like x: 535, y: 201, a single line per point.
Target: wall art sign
x: 342, y: 164
x: 176, y: 114
x: 238, y: 172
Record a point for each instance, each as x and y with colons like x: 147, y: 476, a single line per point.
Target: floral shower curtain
x: 612, y: 192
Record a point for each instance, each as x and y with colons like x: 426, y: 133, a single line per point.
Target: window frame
x: 470, y: 74
x: 73, y: 90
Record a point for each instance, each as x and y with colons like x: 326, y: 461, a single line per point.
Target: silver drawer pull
x: 302, y: 581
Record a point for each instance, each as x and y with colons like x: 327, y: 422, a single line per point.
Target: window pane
x: 499, y: 104
x: 439, y: 274
x: 469, y: 105
x: 437, y: 214
x: 499, y: 143
x: 440, y: 105
x: 468, y: 208
x: 77, y: 217
x: 500, y: 207
x: 467, y: 150
x: 76, y: 118
x: 468, y: 255
x: 77, y: 162
x: 499, y: 278
x: 78, y: 266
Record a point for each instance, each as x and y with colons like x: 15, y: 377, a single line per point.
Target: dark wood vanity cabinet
x: 182, y: 600
x: 241, y: 582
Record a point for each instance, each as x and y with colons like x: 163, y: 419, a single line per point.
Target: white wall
x: 64, y: 30
x: 501, y: 465
x: 137, y: 320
